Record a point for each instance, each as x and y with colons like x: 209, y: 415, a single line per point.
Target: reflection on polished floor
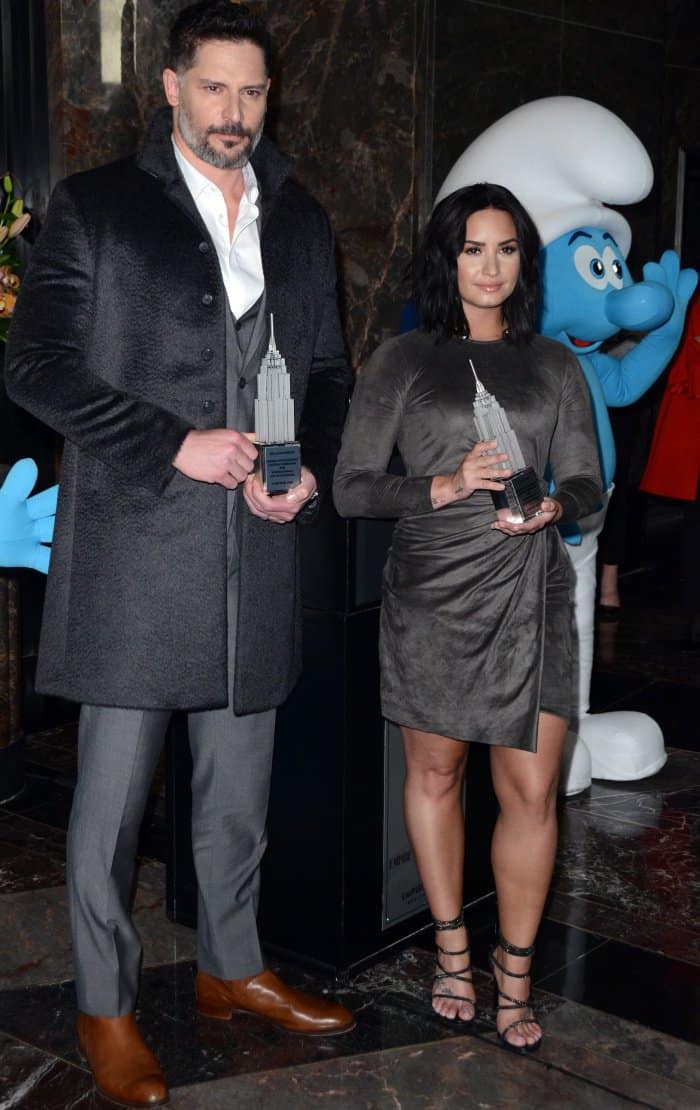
x: 617, y: 966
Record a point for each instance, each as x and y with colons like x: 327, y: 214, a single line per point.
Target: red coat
x: 673, y: 467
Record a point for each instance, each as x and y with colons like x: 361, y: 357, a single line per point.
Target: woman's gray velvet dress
x: 477, y: 631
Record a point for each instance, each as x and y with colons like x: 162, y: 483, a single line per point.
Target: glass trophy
x: 522, y: 496
x: 279, y: 452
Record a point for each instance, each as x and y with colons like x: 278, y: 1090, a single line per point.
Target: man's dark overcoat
x: 119, y: 344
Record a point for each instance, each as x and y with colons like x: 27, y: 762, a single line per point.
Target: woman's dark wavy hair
x: 215, y: 20
x: 435, y: 263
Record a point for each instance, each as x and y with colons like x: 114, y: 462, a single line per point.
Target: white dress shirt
x: 239, y: 258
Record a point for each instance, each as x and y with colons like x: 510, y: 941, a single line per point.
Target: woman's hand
x: 549, y: 513
x: 477, y: 470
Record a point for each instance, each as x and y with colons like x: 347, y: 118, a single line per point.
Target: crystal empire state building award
x: 521, y: 498
x: 279, y: 452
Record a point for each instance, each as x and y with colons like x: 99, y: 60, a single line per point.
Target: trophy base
x: 522, y: 497
x: 280, y: 466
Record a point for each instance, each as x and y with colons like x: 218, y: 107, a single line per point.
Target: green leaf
x: 17, y: 208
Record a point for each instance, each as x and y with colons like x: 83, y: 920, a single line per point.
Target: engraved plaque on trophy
x: 279, y: 452
x: 522, y: 496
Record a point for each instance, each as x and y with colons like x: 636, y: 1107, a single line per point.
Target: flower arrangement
x: 13, y: 220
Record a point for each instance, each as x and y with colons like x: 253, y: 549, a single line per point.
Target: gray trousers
x: 118, y: 751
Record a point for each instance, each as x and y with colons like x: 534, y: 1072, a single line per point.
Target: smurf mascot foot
x: 622, y: 745
x: 576, y: 770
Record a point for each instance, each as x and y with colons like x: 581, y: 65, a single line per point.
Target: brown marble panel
x: 624, y: 925
x: 630, y: 867
x: 36, y: 946
x: 32, y: 855
x: 459, y: 1073
x: 653, y: 1056
x: 344, y: 108
x: 32, y: 1078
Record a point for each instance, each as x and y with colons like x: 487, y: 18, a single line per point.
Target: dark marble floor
x: 617, y: 971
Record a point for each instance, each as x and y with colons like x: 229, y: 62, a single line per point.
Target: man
x: 173, y: 584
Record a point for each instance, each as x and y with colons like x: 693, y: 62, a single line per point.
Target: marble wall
x: 376, y: 99
x: 344, y: 105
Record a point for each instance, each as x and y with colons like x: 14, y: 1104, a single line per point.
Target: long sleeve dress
x: 476, y: 632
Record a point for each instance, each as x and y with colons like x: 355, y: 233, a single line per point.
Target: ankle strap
x: 512, y: 949
x: 455, y: 923
x: 452, y: 952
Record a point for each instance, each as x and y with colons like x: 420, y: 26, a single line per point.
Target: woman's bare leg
x: 522, y: 854
x: 435, y: 824
x: 609, y: 588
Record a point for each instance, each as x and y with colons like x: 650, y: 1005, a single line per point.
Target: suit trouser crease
x: 118, y: 753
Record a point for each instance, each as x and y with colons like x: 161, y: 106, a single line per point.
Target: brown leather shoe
x: 123, y: 1067
x: 268, y: 997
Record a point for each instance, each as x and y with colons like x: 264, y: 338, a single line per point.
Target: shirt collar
x: 198, y: 183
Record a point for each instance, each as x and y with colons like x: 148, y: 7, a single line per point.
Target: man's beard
x: 198, y: 142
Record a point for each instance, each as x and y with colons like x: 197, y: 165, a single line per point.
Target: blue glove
x: 26, y: 523
x: 681, y: 283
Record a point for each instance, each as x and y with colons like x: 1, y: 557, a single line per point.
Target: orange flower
x: 7, y: 304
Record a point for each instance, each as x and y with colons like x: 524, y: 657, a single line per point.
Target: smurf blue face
x: 580, y: 271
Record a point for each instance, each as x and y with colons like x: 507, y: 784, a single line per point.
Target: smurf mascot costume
x: 26, y: 523
x: 567, y: 159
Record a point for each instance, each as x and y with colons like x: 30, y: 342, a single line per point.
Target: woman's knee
x: 533, y: 800
x: 435, y: 778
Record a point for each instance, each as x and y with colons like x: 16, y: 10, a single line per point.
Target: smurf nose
x: 640, y: 307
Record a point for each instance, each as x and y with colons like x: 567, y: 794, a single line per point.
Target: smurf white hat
x: 565, y: 159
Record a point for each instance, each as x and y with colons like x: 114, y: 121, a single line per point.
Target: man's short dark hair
x: 215, y: 20
x: 435, y: 263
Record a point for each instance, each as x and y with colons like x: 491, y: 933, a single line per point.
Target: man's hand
x: 218, y: 456
x: 281, y: 508
x: 549, y: 513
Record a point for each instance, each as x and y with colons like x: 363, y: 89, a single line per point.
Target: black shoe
x: 462, y: 975
x: 512, y: 1003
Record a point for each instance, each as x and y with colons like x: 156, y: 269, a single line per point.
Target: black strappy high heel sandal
x: 462, y: 974
x: 512, y: 1003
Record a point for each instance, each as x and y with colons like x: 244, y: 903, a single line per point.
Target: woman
x: 476, y: 629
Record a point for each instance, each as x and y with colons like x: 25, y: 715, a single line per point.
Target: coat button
x: 207, y: 406
x: 242, y: 383
x: 207, y: 298
x: 207, y: 354
x: 203, y: 247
